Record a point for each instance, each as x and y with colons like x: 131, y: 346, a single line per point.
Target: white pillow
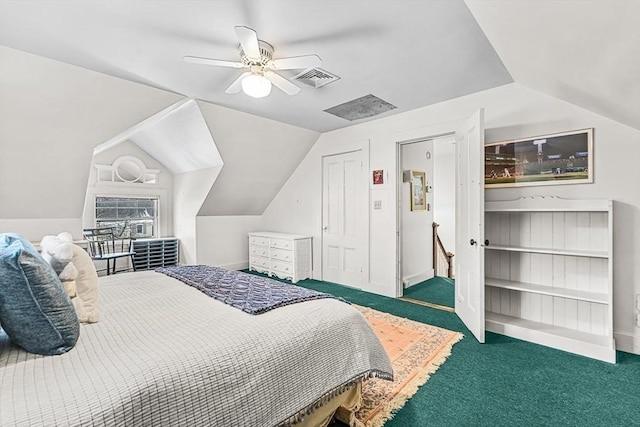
x: 87, y: 291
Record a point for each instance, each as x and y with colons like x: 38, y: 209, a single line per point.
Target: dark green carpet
x: 437, y: 290
x: 508, y: 382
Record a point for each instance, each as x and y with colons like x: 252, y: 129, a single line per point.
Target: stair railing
x: 442, y: 259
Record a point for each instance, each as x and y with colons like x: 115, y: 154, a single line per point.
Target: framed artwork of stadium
x: 561, y: 158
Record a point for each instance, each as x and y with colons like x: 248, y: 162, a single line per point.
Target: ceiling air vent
x: 316, y: 77
x: 367, y: 106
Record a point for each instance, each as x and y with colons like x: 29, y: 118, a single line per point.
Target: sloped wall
x: 52, y: 115
x: 259, y: 156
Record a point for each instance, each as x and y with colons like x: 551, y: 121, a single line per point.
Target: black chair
x: 102, y: 245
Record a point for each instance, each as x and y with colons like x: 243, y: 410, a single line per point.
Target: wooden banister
x: 442, y: 259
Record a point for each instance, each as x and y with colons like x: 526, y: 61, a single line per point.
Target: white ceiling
x: 409, y: 53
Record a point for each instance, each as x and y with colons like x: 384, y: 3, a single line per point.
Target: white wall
x: 189, y: 191
x: 511, y: 111
x: 52, y: 115
x: 223, y: 241
x: 34, y: 229
x: 297, y: 208
x: 259, y: 155
x: 444, y: 190
x: 417, y: 232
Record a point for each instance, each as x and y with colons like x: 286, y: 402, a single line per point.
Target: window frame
x: 158, y: 209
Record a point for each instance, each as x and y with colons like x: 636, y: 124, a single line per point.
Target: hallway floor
x: 437, y: 290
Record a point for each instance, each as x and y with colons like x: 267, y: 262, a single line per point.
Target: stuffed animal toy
x: 59, y: 253
x: 77, y: 274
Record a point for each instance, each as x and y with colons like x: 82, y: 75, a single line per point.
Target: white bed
x: 166, y: 354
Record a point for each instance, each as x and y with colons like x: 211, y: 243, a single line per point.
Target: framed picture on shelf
x: 561, y: 158
x: 418, y: 191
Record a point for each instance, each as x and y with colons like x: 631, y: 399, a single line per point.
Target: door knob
x: 472, y: 242
x: 325, y: 228
x: 486, y: 242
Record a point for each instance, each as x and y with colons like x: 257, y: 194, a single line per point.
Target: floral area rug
x: 416, y: 351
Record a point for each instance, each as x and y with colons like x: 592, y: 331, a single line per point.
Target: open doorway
x: 427, y: 237
x: 444, y: 205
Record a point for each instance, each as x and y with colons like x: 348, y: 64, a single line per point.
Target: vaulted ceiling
x: 408, y: 53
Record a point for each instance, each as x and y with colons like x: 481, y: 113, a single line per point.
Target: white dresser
x: 287, y: 256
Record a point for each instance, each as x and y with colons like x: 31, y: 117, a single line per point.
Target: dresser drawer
x: 261, y: 262
x: 287, y: 256
x: 282, y: 267
x: 281, y: 244
x: 282, y: 255
x: 255, y: 250
x: 258, y: 240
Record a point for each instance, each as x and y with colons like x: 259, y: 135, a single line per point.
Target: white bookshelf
x: 552, y: 251
x: 548, y: 267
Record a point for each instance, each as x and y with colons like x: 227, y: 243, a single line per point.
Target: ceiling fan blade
x: 211, y: 61
x: 283, y: 84
x: 249, y: 42
x: 237, y: 84
x: 295, y: 62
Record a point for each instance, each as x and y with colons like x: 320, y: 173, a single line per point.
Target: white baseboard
x: 627, y: 342
x: 243, y: 265
x: 417, y: 278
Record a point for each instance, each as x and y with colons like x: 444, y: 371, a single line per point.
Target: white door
x: 344, y: 205
x: 469, y: 250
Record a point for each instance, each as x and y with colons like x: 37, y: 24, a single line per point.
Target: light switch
x: 377, y: 204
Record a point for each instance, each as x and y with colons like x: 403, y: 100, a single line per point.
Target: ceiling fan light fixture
x: 256, y: 86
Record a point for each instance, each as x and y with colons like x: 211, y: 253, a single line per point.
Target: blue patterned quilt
x: 248, y: 292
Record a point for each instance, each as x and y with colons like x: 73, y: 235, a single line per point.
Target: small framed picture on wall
x: 418, y: 191
x: 378, y: 177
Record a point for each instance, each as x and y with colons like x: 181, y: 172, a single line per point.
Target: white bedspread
x: 164, y: 354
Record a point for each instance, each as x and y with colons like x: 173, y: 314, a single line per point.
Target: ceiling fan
x: 257, y: 56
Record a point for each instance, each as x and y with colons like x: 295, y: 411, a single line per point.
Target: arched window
x: 126, y: 197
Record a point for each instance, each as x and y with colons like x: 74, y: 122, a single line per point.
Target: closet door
x: 344, y: 190
x: 469, y: 300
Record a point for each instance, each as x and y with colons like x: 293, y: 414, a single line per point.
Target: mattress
x: 166, y: 354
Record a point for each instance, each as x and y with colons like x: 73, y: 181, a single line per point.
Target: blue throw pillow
x: 35, y: 311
